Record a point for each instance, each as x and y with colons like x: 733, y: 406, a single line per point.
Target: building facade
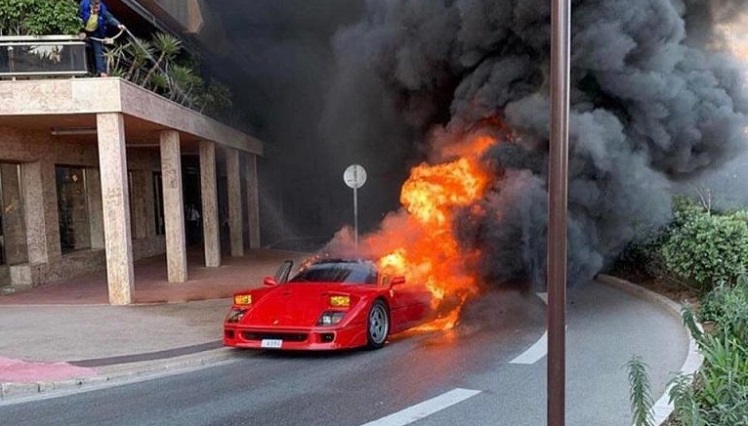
x: 92, y: 177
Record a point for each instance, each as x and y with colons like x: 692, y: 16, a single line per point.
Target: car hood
x: 294, y: 305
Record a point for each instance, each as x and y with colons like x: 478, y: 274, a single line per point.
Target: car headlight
x: 242, y: 299
x: 340, y: 301
x: 235, y: 315
x: 330, y: 318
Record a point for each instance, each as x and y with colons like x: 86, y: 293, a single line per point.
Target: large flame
x: 431, y: 196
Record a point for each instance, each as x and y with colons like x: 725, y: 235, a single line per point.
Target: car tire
x: 377, y: 325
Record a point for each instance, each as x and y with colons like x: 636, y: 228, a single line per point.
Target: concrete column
x: 209, y: 194
x: 16, y: 250
x: 40, y: 209
x: 140, y: 220
x: 253, y: 202
x: 234, y: 189
x: 116, y: 207
x: 171, y: 168
x: 95, y: 208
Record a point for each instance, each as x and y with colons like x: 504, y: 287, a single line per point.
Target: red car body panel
x: 290, y: 312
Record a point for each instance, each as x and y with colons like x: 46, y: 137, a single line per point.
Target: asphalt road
x: 473, y: 372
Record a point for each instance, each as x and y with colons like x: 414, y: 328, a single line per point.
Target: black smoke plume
x: 654, y: 100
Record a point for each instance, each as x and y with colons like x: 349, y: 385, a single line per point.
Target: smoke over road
x: 654, y: 100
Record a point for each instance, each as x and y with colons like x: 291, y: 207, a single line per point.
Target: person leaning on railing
x: 96, y: 19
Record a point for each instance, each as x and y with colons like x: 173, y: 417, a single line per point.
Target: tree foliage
x: 39, y: 17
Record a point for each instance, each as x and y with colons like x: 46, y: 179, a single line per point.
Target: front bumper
x: 312, y: 338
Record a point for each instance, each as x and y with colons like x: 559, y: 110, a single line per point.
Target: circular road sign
x: 355, y: 176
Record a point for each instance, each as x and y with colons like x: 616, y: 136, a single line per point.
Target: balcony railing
x: 42, y: 56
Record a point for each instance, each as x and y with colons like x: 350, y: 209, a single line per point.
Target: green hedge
x: 706, y: 248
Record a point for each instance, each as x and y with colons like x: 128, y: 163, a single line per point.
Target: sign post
x: 558, y: 178
x: 355, y: 177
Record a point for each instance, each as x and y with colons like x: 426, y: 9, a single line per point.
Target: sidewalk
x: 65, y: 335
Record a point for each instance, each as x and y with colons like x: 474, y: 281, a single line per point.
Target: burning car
x: 328, y: 304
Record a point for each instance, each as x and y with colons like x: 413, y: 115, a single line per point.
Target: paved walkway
x: 64, y: 334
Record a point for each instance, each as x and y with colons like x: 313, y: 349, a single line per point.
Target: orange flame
x: 430, y: 196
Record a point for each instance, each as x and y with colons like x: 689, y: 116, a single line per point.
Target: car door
x: 406, y: 303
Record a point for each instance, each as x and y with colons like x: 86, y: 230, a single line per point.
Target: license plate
x: 271, y: 343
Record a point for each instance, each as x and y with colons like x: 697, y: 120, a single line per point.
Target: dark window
x: 158, y: 202
x: 72, y: 204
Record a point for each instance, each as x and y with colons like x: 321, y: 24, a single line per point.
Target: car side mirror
x: 270, y: 282
x: 281, y: 275
x: 399, y: 280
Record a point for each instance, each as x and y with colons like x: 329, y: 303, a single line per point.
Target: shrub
x: 718, y: 395
x: 707, y: 249
x: 727, y: 307
x: 39, y: 17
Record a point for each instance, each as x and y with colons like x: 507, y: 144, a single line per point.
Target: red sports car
x: 328, y: 304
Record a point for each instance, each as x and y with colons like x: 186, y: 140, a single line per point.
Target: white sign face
x: 355, y: 176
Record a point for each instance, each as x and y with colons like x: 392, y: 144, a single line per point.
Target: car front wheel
x: 378, y: 325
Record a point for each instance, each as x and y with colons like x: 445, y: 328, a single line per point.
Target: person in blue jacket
x: 96, y: 19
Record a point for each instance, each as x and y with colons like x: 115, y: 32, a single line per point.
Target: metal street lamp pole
x: 558, y: 171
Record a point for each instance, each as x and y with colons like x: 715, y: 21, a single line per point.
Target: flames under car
x: 328, y: 304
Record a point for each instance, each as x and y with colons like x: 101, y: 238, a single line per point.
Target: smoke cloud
x: 654, y: 101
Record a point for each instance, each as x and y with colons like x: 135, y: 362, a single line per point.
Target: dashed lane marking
x: 538, y: 350
x: 425, y: 409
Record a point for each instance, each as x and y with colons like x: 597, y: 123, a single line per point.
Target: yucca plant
x: 182, y: 84
x: 215, y: 98
x: 168, y: 47
x: 139, y: 51
x: 115, y: 57
x: 155, y: 66
x: 640, y: 395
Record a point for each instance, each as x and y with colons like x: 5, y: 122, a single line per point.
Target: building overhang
x: 68, y: 107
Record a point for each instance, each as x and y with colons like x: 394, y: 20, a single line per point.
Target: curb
x: 662, y: 407
x: 11, y: 391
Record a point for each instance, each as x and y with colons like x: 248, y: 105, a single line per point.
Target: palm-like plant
x: 182, y: 84
x: 114, y: 58
x: 139, y: 52
x: 166, y: 75
x: 168, y: 48
x: 641, y: 398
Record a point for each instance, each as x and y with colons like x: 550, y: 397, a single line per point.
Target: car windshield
x: 337, y: 272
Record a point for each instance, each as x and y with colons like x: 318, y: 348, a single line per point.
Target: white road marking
x: 534, y: 353
x: 424, y: 409
x: 538, y: 350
